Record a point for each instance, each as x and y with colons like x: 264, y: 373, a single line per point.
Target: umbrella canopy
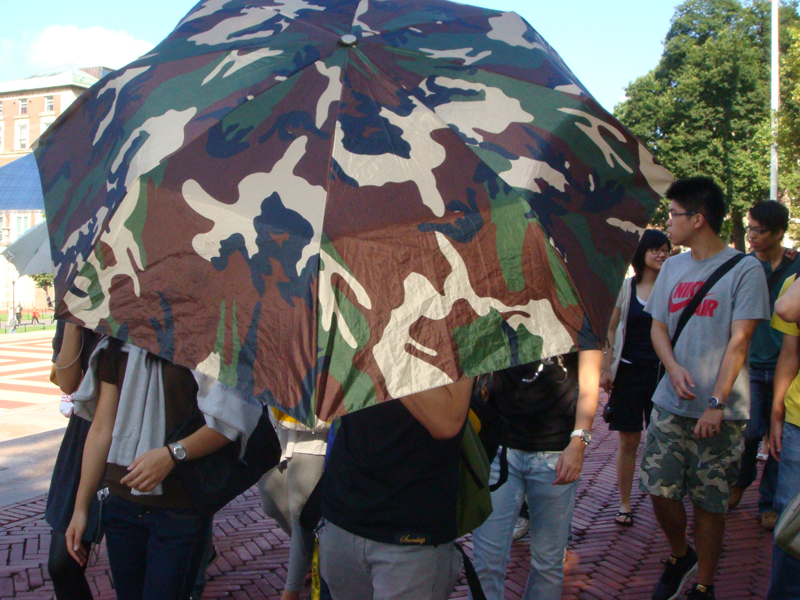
x: 329, y: 204
x: 20, y: 187
x: 30, y: 252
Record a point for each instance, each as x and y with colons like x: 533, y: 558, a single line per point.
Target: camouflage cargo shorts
x: 674, y: 463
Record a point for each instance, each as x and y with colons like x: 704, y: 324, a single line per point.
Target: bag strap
x: 472, y: 576
x: 701, y: 294
x: 503, y: 477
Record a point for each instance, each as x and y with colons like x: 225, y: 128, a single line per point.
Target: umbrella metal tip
x: 348, y: 40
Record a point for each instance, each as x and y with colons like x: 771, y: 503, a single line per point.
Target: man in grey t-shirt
x: 701, y: 406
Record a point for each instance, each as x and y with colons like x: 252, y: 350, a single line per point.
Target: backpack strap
x: 503, y: 477
x: 472, y: 576
x: 701, y: 294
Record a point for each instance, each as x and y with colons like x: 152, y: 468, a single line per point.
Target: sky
x: 606, y: 44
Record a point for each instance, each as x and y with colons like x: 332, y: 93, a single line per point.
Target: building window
x: 48, y: 104
x: 1, y: 108
x: 23, y: 224
x: 45, y: 123
x: 22, y: 137
x: 1, y: 138
x: 23, y: 106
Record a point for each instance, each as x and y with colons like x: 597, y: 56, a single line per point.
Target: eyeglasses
x: 757, y: 230
x: 673, y: 214
x: 658, y: 251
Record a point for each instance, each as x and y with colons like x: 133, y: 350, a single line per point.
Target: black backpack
x: 492, y: 427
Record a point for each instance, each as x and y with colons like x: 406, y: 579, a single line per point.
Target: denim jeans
x: 550, y: 507
x: 154, y: 552
x: 785, y: 579
x: 760, y: 409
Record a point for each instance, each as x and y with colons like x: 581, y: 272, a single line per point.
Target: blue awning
x: 20, y: 186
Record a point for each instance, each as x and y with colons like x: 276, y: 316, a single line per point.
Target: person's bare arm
x: 68, y: 363
x: 680, y: 378
x: 787, y: 307
x: 785, y: 372
x: 443, y: 410
x: 570, y: 463
x: 606, y: 379
x: 152, y: 467
x: 732, y: 361
x: 93, y: 466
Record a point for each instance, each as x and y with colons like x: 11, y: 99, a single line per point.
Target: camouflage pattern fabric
x: 330, y: 204
x: 674, y: 463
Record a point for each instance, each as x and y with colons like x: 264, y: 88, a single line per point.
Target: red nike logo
x: 676, y: 306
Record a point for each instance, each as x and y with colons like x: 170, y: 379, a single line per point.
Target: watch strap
x: 172, y: 454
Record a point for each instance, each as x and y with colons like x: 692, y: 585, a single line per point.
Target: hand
x: 74, y: 535
x: 606, y: 381
x: 570, y: 463
x: 709, y: 424
x: 776, y: 438
x: 681, y: 382
x: 150, y: 469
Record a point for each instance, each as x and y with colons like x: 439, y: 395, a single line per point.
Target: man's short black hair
x: 771, y: 215
x: 700, y: 195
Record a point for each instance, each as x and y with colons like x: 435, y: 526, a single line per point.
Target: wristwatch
x: 715, y: 404
x: 177, y: 452
x: 584, y: 434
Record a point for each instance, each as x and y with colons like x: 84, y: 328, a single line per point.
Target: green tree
x: 789, y: 116
x: 43, y: 281
x: 705, y: 109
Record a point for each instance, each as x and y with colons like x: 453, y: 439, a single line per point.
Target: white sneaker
x: 521, y: 528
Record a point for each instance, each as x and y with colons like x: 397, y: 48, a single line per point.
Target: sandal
x: 624, y: 518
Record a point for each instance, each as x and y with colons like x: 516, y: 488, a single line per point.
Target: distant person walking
x: 631, y: 369
x: 19, y: 314
x: 35, y: 316
x: 12, y: 320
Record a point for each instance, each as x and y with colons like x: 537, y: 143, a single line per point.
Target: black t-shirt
x: 638, y: 347
x: 390, y: 481
x: 539, y: 400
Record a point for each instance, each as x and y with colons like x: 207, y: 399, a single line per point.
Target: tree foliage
x: 43, y: 280
x: 705, y: 109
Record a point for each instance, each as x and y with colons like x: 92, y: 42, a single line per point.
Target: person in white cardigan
x: 630, y: 369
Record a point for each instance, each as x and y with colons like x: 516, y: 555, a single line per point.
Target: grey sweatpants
x: 356, y: 568
x: 284, y: 491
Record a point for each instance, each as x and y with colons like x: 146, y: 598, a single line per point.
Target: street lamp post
x: 775, y: 104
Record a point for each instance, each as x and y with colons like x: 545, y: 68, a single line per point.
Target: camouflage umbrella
x: 329, y: 204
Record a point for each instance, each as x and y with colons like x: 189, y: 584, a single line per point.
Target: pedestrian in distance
x: 35, y: 316
x: 550, y: 405
x: 767, y: 223
x: 701, y: 406
x: 785, y: 433
x: 630, y: 363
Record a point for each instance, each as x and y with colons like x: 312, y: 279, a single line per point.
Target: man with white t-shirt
x: 701, y: 406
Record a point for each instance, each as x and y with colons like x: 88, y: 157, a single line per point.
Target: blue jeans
x: 760, y: 409
x: 154, y: 552
x: 785, y: 580
x: 550, y: 507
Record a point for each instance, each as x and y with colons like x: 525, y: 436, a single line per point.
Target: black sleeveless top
x: 388, y: 480
x: 638, y: 348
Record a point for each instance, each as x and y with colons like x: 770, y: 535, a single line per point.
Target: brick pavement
x: 604, y: 562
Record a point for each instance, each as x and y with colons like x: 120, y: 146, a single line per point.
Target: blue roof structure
x: 20, y: 186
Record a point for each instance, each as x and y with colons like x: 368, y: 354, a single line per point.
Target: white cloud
x: 92, y: 46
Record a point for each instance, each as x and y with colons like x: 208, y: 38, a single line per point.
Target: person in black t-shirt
x: 631, y: 368
x: 550, y: 406
x: 389, y: 499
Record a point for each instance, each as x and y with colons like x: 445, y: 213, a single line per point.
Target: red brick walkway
x: 605, y: 561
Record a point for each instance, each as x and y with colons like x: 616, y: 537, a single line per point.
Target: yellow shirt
x: 792, y: 398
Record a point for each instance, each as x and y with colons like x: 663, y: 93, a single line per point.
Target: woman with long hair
x: 630, y: 369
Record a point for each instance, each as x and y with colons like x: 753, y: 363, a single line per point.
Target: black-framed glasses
x: 657, y: 251
x: 673, y: 214
x: 757, y: 230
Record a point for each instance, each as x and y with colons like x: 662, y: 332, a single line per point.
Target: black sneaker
x: 677, y: 572
x: 701, y: 592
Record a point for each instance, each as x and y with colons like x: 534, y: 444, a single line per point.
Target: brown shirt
x: 180, y: 393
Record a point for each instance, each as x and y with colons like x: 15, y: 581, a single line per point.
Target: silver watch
x: 584, y: 434
x: 714, y: 403
x: 178, y: 452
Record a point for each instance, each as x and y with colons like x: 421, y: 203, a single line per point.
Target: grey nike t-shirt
x: 740, y: 294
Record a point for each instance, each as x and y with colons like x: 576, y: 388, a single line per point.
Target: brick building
x: 27, y: 108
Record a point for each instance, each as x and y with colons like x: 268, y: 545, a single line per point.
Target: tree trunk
x: 737, y: 230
